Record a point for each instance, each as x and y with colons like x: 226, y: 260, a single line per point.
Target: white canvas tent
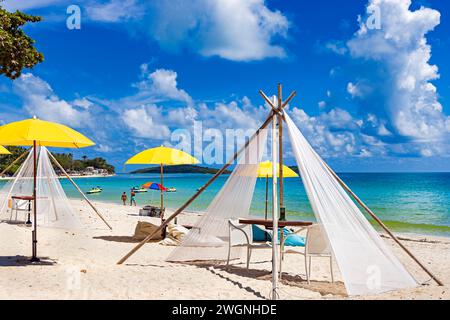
x: 367, y: 264
x: 53, y: 206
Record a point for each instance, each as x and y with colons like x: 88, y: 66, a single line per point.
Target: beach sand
x: 81, y: 264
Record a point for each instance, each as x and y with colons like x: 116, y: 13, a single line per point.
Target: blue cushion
x: 258, y: 234
x: 292, y: 241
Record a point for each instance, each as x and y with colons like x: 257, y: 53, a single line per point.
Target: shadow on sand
x: 322, y: 287
x: 22, y: 261
x: 124, y: 239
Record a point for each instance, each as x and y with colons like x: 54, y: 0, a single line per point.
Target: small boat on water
x: 171, y: 189
x: 95, y: 190
x: 139, y: 189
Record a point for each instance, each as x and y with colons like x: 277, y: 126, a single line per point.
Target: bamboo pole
x: 372, y: 214
x: 15, y: 161
x: 280, y: 145
x: 275, y: 211
x: 79, y: 190
x: 191, y: 199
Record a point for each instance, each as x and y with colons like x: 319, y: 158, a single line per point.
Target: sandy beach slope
x: 81, y: 264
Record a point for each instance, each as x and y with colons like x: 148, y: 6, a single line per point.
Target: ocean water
x: 406, y: 202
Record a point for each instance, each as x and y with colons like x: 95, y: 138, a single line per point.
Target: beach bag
x: 144, y: 229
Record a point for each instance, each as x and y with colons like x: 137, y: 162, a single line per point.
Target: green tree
x: 7, y: 159
x: 17, y: 50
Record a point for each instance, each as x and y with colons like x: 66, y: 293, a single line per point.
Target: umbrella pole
x: 267, y: 197
x: 34, y: 258
x: 162, y: 193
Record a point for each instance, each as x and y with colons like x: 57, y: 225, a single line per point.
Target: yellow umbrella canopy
x: 162, y: 155
x: 44, y: 133
x: 3, y: 150
x: 265, y: 170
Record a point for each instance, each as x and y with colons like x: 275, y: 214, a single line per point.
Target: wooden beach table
x: 281, y: 224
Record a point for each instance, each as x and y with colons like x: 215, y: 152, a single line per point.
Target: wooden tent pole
x: 372, y: 214
x: 280, y: 146
x: 15, y: 161
x: 79, y: 190
x: 199, y: 191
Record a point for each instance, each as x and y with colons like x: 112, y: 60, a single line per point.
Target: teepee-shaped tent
x: 367, y: 264
x: 54, y: 209
x: 53, y: 206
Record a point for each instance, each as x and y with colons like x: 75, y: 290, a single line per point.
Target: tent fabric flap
x: 367, y: 264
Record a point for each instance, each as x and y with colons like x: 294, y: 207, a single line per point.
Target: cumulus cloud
x: 399, y: 91
x: 145, y: 122
x: 40, y: 100
x: 157, y: 86
x: 335, y: 133
x: 239, y: 30
x: 114, y: 10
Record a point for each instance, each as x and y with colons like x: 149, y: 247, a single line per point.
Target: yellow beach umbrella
x: 265, y: 171
x: 35, y: 132
x: 3, y: 150
x: 43, y: 133
x: 162, y: 156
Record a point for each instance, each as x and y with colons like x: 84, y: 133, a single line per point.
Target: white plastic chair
x: 19, y: 205
x: 241, y: 235
x: 316, y: 246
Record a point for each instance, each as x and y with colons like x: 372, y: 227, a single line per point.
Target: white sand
x: 82, y: 265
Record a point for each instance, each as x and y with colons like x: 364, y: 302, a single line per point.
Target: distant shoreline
x: 73, y: 177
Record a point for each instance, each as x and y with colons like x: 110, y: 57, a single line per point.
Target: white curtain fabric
x: 366, y: 263
x: 208, y: 239
x: 53, y: 206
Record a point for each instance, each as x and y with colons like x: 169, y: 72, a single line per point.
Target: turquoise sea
x: 407, y: 202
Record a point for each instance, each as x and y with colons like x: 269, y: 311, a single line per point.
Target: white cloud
x: 40, y: 100
x: 158, y: 86
x: 239, y: 30
x: 332, y: 133
x: 336, y: 47
x: 145, y: 122
x: 402, y: 55
x: 114, y: 10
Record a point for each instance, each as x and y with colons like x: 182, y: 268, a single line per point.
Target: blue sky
x: 369, y: 99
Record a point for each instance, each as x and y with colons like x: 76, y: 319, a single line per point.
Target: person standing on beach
x: 124, y: 198
x: 132, y: 198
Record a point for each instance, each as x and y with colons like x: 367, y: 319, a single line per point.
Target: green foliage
x: 68, y: 163
x: 16, y: 48
x: 65, y: 159
x: 7, y: 159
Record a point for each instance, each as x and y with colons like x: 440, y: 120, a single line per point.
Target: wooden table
x: 281, y: 224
